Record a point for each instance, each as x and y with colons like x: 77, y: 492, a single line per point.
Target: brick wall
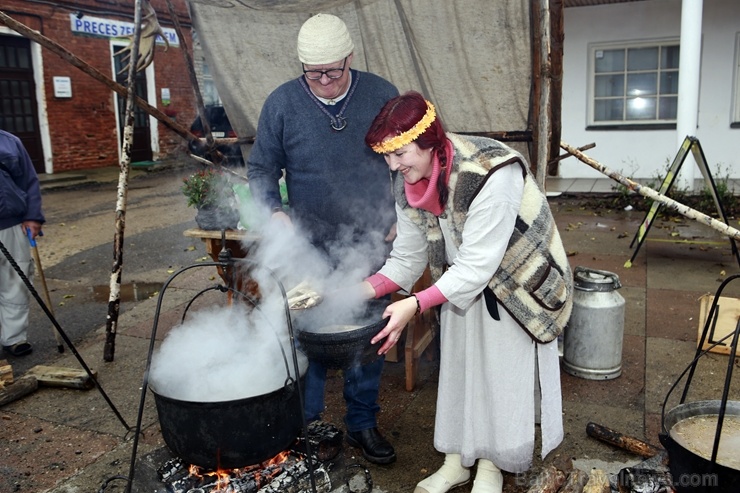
x: 83, y: 128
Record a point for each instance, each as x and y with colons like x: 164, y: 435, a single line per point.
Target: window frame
x: 592, y: 123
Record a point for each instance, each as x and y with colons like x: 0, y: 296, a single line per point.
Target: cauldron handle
x: 247, y: 297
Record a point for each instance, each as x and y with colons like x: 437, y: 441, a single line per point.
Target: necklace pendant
x: 338, y: 123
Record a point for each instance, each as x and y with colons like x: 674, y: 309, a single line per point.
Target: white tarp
x: 472, y: 58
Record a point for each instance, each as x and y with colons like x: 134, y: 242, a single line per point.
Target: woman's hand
x: 400, y: 312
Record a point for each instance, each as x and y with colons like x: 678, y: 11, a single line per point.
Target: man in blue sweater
x: 312, y: 129
x: 20, y: 215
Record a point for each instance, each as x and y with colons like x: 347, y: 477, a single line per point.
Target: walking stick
x: 37, y: 261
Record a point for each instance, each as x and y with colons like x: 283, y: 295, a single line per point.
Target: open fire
x: 287, y: 472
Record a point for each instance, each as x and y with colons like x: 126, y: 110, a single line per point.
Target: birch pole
x: 114, y: 298
x: 544, y: 129
x: 652, y: 194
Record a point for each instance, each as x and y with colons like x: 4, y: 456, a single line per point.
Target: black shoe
x: 19, y: 349
x: 374, y: 447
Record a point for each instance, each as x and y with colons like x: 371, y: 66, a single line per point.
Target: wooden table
x: 420, y: 333
x: 240, y: 243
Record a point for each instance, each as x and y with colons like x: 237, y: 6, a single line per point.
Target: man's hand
x: 282, y: 218
x: 32, y: 226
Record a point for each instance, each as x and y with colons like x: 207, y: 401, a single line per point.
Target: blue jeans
x: 361, y: 386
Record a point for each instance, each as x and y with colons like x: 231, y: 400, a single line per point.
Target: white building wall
x: 645, y: 154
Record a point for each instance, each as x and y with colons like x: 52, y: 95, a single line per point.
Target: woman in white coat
x: 468, y: 208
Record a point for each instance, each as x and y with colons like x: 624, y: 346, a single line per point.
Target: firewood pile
x: 649, y: 476
x: 12, y: 389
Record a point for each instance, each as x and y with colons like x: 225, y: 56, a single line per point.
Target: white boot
x: 488, y: 478
x: 450, y: 475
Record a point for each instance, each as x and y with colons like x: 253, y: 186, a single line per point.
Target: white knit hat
x: 323, y: 38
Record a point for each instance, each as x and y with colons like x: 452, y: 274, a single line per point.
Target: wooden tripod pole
x: 44, y: 288
x: 652, y: 194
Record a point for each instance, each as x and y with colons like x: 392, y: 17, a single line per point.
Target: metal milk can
x: 592, y: 339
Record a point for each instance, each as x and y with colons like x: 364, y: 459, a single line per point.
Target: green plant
x: 207, y: 187
x: 725, y: 195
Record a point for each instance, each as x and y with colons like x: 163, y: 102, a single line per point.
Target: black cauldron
x: 340, y: 342
x: 691, y: 472
x: 232, y: 434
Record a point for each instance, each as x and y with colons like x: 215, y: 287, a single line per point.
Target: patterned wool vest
x: 534, y: 282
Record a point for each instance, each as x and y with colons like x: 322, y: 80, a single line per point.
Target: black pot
x: 231, y: 434
x: 216, y: 218
x: 340, y: 348
x: 692, y: 473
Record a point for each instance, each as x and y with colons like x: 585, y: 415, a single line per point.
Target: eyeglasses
x: 332, y: 73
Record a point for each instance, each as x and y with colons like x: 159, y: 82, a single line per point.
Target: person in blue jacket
x: 311, y: 129
x: 20, y: 217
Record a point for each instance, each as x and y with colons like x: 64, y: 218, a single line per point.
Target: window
x: 634, y: 84
x: 203, y: 75
x: 208, y: 88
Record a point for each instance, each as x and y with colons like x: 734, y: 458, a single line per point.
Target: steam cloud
x: 221, y: 354
x: 227, y: 353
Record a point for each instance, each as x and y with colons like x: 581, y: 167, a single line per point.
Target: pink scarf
x: 423, y: 194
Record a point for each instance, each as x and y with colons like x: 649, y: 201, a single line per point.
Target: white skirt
x: 486, y: 397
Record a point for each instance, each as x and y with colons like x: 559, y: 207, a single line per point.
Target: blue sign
x: 110, y: 28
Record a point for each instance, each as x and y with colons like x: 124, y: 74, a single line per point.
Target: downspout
x: 689, y: 72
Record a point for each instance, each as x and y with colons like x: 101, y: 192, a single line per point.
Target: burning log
x: 325, y: 441
x: 291, y: 476
x: 171, y: 469
x: 296, y: 479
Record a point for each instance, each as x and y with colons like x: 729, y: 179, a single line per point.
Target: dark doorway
x: 18, y: 110
x: 141, y: 149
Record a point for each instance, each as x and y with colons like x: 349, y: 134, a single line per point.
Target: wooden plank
x: 22, y: 387
x: 726, y: 322
x: 231, y: 234
x: 54, y: 376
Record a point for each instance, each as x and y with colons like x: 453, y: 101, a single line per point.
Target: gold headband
x: 395, y: 143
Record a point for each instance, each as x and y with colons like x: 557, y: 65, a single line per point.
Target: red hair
x: 401, y: 113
